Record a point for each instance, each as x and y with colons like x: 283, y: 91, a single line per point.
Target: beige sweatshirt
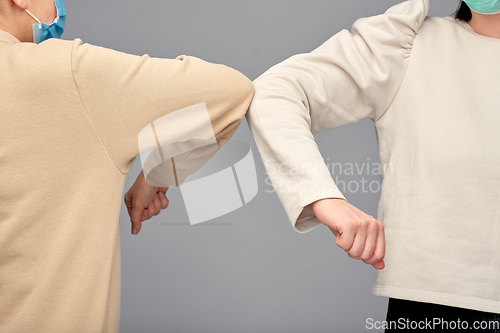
x: 70, y: 117
x: 430, y: 85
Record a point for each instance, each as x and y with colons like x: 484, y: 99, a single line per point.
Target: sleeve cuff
x: 302, y: 215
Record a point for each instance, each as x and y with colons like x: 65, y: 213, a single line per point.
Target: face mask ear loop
x: 33, y: 16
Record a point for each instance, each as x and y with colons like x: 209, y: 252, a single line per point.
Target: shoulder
x: 438, y: 23
x: 390, y: 32
x: 53, y: 45
x: 394, y: 29
x: 438, y: 31
x: 73, y: 47
x: 404, y: 17
x: 48, y: 59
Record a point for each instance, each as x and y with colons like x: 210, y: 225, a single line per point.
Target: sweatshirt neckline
x: 467, y: 27
x: 6, y: 37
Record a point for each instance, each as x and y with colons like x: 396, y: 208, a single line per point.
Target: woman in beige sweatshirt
x: 71, y: 114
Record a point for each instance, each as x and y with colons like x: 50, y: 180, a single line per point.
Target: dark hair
x: 463, y: 12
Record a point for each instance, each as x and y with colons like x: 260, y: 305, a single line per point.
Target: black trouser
x: 405, y: 315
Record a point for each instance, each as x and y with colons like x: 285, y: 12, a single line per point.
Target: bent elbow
x: 235, y: 99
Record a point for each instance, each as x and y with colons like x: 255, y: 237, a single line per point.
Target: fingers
x: 358, y: 245
x: 159, y: 202
x: 155, y: 208
x: 139, y: 213
x: 164, y: 200
x: 363, y: 239
x: 360, y: 235
x: 151, y: 210
x: 370, y: 242
x: 379, y: 265
x: 351, y: 235
x: 379, y: 253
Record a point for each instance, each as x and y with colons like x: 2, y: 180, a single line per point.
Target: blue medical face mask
x: 484, y: 6
x: 42, y: 31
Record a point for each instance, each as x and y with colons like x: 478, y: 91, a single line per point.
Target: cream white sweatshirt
x: 430, y: 85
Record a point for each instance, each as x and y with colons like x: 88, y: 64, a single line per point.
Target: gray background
x: 247, y: 271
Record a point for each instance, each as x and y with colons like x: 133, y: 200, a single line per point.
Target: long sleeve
x: 353, y: 75
x: 124, y: 93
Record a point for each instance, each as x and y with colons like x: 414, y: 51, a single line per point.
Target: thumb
x: 335, y: 232
x: 135, y: 218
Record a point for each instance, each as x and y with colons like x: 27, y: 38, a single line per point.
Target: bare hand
x: 144, y: 201
x: 357, y: 233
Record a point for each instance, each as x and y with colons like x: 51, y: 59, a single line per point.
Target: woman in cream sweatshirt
x: 71, y: 114
x: 430, y: 85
